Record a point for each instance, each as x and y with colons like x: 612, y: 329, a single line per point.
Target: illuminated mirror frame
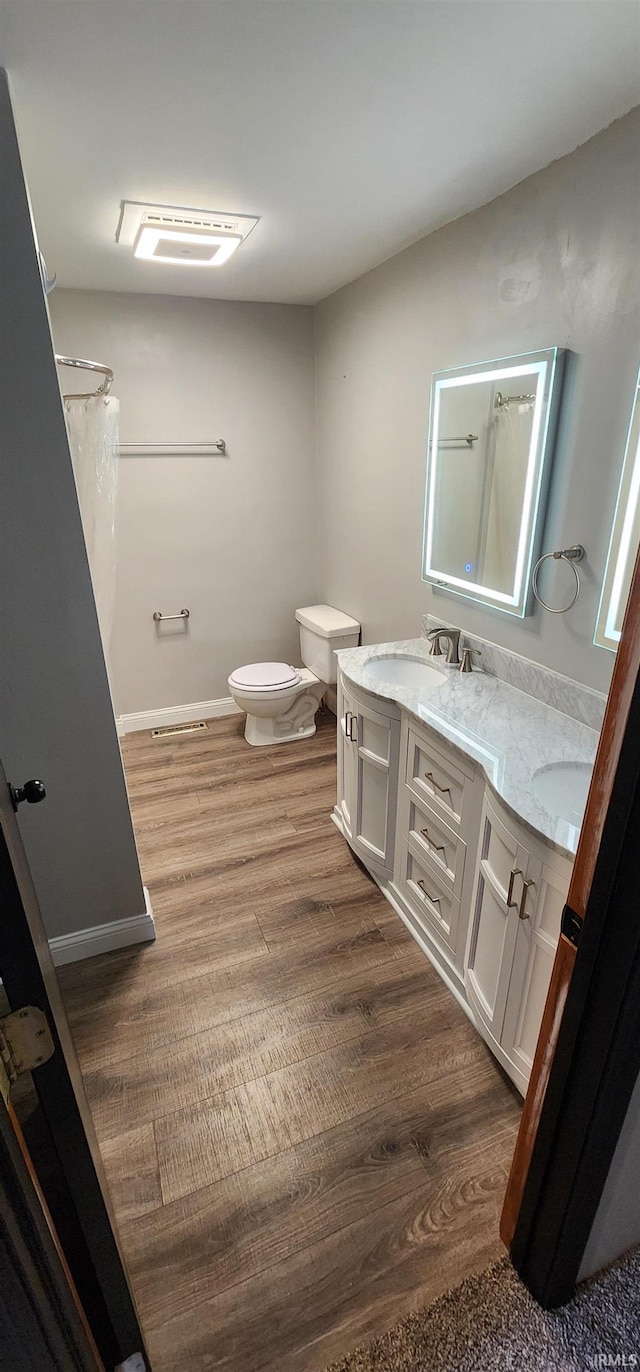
x: 620, y: 543
x: 548, y: 364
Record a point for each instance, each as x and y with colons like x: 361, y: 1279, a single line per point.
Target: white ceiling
x: 352, y: 127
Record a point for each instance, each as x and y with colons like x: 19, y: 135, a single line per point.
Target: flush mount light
x: 193, y: 247
x: 195, y: 238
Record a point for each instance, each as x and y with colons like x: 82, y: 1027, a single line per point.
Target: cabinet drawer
x: 435, y: 779
x: 441, y: 845
x: 431, y: 898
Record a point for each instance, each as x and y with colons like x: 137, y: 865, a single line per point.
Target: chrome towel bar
x: 159, y: 617
x: 217, y: 447
x: 469, y: 439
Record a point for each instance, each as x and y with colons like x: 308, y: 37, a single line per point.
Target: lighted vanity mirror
x: 490, y: 439
x: 625, y: 536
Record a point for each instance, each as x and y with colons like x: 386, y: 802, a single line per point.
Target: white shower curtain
x: 93, y: 438
x: 511, y: 437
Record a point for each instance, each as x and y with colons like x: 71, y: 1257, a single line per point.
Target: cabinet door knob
x: 435, y: 900
x: 515, y: 872
x: 522, y: 914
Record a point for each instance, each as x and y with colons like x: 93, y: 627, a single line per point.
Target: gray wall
x: 554, y: 261
x: 56, y: 719
x: 233, y: 538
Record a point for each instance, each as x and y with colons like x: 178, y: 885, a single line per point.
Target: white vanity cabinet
x: 368, y: 747
x: 519, y: 893
x: 482, y: 895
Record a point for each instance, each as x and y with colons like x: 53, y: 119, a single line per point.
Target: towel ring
x: 572, y: 555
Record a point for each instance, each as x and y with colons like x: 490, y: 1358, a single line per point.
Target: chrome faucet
x: 453, y: 642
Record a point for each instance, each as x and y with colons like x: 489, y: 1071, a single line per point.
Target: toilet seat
x: 265, y: 676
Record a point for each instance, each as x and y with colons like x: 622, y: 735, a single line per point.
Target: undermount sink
x: 403, y: 671
x: 562, y: 788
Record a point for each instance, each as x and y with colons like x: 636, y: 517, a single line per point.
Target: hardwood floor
x: 304, y: 1136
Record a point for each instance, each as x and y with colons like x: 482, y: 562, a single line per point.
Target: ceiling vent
x: 168, y: 233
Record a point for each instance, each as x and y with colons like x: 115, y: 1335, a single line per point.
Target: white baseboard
x: 104, y: 938
x: 176, y: 714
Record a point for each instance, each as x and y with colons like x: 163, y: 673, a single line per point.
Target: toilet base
x: 260, y: 731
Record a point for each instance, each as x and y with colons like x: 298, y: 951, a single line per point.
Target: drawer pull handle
x: 348, y: 726
x: 444, y: 790
x: 435, y: 900
x: 522, y: 914
x: 438, y: 847
x: 511, y: 903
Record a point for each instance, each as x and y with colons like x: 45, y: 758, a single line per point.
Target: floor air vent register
x: 172, y: 730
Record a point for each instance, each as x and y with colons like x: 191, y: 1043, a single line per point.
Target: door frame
x: 29, y: 978
x: 588, y: 1056
x: 41, y: 1319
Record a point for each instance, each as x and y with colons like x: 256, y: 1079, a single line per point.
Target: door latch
x: 571, y: 926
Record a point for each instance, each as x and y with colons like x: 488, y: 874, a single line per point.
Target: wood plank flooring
x: 304, y: 1136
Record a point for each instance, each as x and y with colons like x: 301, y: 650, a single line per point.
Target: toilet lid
x: 264, y: 676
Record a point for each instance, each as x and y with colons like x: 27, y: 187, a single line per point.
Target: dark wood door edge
x: 555, y: 1283
x: 574, y: 1130
x: 29, y: 1246
x: 529, y: 1124
x: 66, y: 1271
x: 616, y: 768
x: 103, y: 1284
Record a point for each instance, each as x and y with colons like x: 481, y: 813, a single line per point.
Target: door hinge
x: 571, y: 926
x: 25, y: 1043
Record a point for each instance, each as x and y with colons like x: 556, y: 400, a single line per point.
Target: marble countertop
x: 509, y: 734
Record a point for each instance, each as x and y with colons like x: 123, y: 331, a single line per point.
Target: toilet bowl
x: 281, y: 701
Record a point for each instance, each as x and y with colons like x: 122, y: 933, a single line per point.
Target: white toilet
x: 281, y: 701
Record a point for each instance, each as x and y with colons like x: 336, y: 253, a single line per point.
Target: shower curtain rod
x: 89, y: 367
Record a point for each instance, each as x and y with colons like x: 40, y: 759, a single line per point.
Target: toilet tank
x: 322, y: 631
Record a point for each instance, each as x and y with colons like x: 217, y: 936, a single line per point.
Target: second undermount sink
x: 562, y: 788
x: 413, y: 672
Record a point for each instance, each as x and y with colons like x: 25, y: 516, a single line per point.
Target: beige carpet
x: 491, y: 1324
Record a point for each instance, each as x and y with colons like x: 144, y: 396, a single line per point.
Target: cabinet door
x: 347, y: 759
x: 537, y: 937
x: 502, y: 869
x: 376, y: 745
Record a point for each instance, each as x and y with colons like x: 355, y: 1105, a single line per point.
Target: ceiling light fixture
x: 194, y: 248
x: 167, y: 233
